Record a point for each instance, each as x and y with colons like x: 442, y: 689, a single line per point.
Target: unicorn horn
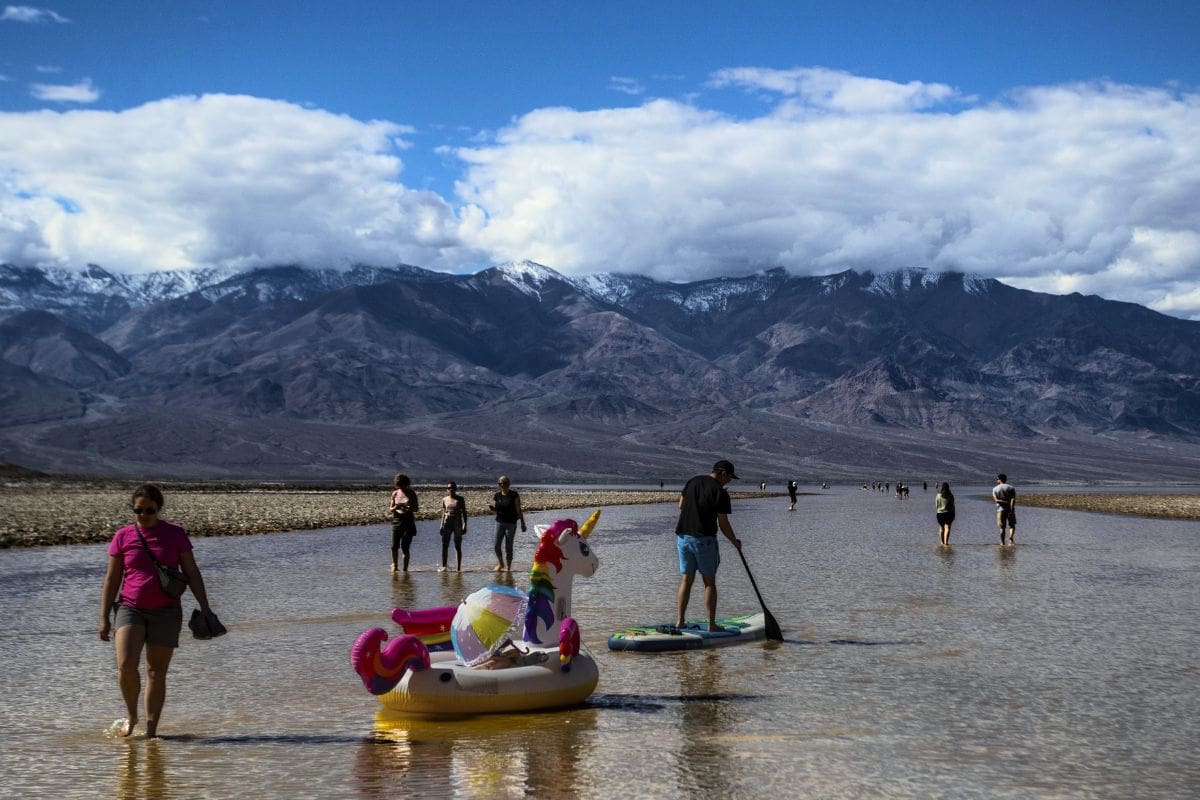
x: 585, y: 529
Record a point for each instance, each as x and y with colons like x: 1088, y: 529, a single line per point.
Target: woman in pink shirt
x: 146, y: 616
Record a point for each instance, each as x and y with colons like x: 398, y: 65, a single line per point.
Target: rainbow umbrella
x: 485, y: 621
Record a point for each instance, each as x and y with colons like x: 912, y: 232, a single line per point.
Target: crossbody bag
x: 173, y: 582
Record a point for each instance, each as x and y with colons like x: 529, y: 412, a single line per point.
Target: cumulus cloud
x: 214, y: 180
x: 81, y: 92
x: 1089, y: 187
x: 31, y: 14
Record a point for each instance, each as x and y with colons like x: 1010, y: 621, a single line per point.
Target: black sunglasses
x: 147, y: 511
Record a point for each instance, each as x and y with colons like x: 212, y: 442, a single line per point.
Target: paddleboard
x: 693, y: 636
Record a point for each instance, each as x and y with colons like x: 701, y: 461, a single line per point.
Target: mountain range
x: 295, y: 373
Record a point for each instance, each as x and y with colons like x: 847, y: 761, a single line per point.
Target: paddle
x: 773, y: 632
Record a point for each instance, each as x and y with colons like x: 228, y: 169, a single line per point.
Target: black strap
x: 138, y: 528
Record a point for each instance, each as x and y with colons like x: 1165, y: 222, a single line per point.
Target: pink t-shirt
x: 140, y: 588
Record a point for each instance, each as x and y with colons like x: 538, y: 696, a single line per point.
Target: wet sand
x: 1164, y: 506
x: 39, y: 513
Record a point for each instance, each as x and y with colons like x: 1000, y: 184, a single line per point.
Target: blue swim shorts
x: 698, y: 554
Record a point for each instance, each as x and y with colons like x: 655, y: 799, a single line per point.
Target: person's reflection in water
x: 1006, y: 557
x: 141, y: 778
x: 703, y: 766
x: 946, y: 556
x: 404, y: 593
x: 454, y: 588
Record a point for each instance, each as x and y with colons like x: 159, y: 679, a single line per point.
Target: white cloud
x: 31, y: 14
x: 47, y: 69
x: 820, y: 88
x: 213, y: 180
x: 1096, y: 184
x: 80, y: 92
x: 631, y: 86
x: 1082, y: 187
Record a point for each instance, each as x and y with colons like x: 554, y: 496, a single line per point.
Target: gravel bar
x: 40, y: 513
x: 1166, y: 506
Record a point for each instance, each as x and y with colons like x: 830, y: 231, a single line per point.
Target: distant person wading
x: 507, y: 505
x: 1005, y: 497
x: 943, y: 504
x: 403, y: 507
x: 454, y: 524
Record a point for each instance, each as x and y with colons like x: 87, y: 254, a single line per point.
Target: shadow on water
x: 644, y: 703
x: 283, y: 738
x: 853, y: 642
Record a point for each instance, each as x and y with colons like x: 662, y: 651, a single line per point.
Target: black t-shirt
x: 506, y: 506
x: 703, y: 498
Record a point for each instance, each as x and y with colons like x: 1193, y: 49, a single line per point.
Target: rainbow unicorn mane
x: 541, y: 582
x: 561, y: 554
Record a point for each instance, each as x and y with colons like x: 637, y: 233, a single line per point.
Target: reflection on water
x: 1063, y: 666
x: 142, y: 772
x: 531, y: 755
x: 701, y: 767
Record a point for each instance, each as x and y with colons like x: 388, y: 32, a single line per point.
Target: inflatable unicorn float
x: 417, y: 674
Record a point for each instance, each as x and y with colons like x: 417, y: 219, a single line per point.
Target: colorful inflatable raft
x: 412, y: 677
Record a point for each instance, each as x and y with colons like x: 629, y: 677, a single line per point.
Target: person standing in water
x: 454, y: 523
x: 1005, y: 497
x: 704, y: 508
x: 507, y: 505
x: 792, y: 495
x: 943, y: 504
x: 403, y: 507
x: 146, y: 618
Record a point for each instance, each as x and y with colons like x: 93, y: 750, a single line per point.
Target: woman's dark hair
x: 150, y: 492
x: 402, y: 480
x: 945, y: 490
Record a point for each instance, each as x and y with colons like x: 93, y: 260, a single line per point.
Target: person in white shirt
x: 1005, y: 497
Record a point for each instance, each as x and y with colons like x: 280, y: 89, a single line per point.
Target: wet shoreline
x: 44, y: 513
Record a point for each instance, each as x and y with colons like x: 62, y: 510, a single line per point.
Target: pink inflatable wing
x: 568, y: 643
x: 382, y: 669
x: 425, y: 621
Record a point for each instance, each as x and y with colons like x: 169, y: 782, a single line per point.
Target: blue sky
x: 1049, y: 145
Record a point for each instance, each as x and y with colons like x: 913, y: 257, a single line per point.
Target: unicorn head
x: 562, y: 553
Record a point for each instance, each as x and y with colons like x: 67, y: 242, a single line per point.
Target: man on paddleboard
x: 704, y: 508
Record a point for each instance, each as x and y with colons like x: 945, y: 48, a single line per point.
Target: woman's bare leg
x: 158, y: 660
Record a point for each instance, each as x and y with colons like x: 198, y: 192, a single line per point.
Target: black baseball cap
x: 725, y: 466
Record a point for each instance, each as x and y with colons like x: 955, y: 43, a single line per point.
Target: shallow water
x: 1063, y: 667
